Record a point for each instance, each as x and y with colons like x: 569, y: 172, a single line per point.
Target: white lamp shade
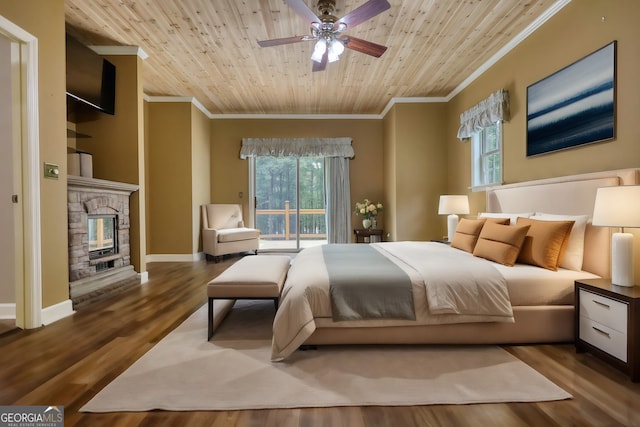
x: 453, y: 205
x: 617, y: 206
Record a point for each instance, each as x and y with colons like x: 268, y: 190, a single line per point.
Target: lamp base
x: 452, y: 224
x: 622, y: 259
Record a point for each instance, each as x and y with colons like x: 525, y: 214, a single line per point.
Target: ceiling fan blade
x: 322, y: 65
x: 363, y: 46
x: 364, y: 12
x: 278, y: 42
x: 304, y: 11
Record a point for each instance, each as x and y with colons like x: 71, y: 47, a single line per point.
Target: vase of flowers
x: 369, y: 212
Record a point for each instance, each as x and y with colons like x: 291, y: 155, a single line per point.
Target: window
x: 486, y: 157
x: 289, y: 197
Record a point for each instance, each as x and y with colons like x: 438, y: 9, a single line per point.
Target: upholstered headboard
x: 567, y: 195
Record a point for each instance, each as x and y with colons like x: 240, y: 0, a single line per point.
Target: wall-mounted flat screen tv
x: 91, y: 79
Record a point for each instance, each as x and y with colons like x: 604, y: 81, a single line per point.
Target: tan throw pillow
x: 468, y: 230
x: 500, y: 243
x: 467, y: 233
x: 573, y: 254
x: 513, y: 217
x: 545, y: 242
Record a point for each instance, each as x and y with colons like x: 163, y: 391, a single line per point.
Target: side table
x: 607, y: 323
x: 369, y: 235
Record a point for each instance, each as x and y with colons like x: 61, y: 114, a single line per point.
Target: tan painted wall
x: 178, y: 176
x: 574, y: 32
x: 117, y: 144
x: 44, y: 19
x: 390, y: 166
x: 201, y: 172
x: 170, y: 152
x: 417, y: 147
x: 7, y: 185
x: 230, y: 175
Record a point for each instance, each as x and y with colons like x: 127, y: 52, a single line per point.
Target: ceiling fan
x: 327, y: 30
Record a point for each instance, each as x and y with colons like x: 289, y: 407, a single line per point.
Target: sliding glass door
x: 289, y: 200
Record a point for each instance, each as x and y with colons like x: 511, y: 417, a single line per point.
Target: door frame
x: 28, y: 236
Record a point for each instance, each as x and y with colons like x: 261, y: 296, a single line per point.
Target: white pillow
x: 574, y: 252
x: 513, y: 217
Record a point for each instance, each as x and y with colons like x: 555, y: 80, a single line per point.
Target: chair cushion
x: 221, y: 215
x: 235, y: 234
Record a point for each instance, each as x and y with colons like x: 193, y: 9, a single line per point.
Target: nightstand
x: 607, y: 323
x: 369, y: 235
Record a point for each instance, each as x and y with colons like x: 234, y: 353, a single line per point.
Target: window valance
x: 487, y: 112
x: 296, y: 147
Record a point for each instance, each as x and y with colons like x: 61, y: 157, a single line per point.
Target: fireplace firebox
x: 102, y: 235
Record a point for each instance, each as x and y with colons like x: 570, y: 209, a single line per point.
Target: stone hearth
x: 91, y: 279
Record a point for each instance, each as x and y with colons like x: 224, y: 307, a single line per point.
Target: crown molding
x: 120, y: 50
x: 299, y: 116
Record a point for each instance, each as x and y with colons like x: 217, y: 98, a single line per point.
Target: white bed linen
x: 531, y: 286
x: 305, y: 297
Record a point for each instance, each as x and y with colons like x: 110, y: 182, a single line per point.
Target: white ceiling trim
x: 120, y: 50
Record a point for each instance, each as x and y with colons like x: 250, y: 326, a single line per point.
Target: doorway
x: 289, y: 195
x: 24, y: 200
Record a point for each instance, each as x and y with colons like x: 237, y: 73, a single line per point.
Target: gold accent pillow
x: 500, y: 243
x: 545, y: 242
x: 468, y: 231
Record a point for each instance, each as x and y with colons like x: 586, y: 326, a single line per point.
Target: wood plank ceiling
x: 207, y: 49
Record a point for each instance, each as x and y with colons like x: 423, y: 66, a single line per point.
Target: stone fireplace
x: 99, y: 252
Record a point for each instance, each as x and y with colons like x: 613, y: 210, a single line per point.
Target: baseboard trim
x: 175, y: 257
x: 144, y: 277
x: 7, y: 311
x: 57, y: 311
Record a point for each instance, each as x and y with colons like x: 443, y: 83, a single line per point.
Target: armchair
x: 223, y: 231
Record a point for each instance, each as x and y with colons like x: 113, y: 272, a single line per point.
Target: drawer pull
x: 601, y: 304
x: 601, y: 331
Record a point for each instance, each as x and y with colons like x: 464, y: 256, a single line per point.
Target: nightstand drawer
x: 603, y: 337
x: 604, y: 311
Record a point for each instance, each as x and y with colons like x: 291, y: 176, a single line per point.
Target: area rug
x: 233, y: 371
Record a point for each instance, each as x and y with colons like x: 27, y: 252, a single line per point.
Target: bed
x: 539, y: 305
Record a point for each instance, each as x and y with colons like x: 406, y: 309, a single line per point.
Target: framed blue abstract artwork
x: 573, y: 106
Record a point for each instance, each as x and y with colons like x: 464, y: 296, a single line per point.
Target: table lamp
x: 619, y: 207
x: 452, y: 205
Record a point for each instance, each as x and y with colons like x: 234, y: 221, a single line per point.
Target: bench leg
x: 210, y: 316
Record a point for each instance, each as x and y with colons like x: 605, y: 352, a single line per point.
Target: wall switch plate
x: 51, y: 170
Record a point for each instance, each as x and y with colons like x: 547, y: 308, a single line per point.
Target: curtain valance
x: 296, y: 147
x: 487, y: 112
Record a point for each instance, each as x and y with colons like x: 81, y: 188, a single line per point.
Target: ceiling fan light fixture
x: 319, y: 50
x: 335, y: 50
x: 337, y: 47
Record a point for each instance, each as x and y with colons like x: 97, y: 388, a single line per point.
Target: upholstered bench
x: 252, y: 277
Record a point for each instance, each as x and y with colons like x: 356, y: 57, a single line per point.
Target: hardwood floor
x: 68, y: 362
x: 7, y: 325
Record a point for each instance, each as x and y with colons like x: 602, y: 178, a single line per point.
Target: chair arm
x: 209, y: 240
